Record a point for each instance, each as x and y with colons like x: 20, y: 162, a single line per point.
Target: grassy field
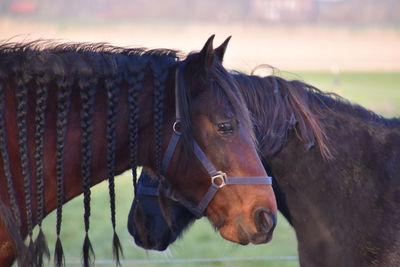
x: 377, y: 91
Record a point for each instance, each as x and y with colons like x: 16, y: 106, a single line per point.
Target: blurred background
x: 288, y: 34
x: 351, y: 47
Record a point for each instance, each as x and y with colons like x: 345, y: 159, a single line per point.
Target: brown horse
x: 76, y: 114
x: 337, y: 177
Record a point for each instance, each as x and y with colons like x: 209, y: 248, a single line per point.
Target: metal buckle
x: 176, y: 126
x: 219, y: 179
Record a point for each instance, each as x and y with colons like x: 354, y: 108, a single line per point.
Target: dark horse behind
x: 73, y: 115
x: 336, y: 169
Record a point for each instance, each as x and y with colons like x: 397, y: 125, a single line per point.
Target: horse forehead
x: 213, y: 102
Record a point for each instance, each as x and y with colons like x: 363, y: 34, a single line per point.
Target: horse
x: 75, y: 114
x: 336, y: 176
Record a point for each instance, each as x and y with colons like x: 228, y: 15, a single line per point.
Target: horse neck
x: 328, y: 199
x: 123, y: 156
x: 73, y: 157
x: 73, y: 185
x: 359, y: 147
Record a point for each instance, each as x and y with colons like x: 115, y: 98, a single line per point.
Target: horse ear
x: 206, y: 54
x: 200, y: 64
x: 220, y: 50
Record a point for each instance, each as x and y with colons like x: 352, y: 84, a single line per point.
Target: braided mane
x: 43, y: 69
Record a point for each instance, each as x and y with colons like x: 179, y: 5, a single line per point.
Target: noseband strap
x: 218, y: 178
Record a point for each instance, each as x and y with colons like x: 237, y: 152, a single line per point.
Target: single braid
x: 41, y: 247
x: 135, y: 85
x: 63, y: 106
x: 6, y: 159
x: 23, y: 253
x: 87, y: 93
x: 159, y: 76
x: 22, y: 111
x: 112, y: 93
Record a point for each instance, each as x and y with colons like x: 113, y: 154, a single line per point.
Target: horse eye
x: 225, y: 128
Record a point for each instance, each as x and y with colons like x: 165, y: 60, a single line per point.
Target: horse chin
x: 161, y: 246
x: 149, y: 243
x: 260, y: 238
x: 243, y: 237
x: 158, y: 247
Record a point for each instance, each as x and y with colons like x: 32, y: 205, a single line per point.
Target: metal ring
x: 219, y: 179
x: 172, y: 195
x: 176, y: 126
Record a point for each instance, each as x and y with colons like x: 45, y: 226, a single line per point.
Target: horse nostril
x: 264, y: 220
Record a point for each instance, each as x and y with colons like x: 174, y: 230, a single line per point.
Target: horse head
x: 226, y: 181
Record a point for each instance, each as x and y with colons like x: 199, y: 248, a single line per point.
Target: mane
x: 228, y: 90
x: 56, y: 46
x: 278, y: 105
x: 337, y: 103
x: 102, y: 59
x: 32, y: 68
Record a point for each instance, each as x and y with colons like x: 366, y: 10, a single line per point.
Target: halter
x: 218, y: 178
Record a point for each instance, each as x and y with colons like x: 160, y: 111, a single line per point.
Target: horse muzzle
x: 265, y: 222
x: 257, y: 229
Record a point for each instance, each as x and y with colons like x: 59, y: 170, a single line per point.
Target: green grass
x: 377, y: 91
x: 201, y: 241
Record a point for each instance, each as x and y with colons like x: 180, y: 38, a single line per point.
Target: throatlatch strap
x: 177, y: 86
x: 175, y: 136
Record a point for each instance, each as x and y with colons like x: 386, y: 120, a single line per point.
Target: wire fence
x: 193, y: 260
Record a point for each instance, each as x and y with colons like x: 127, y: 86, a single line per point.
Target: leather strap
x: 169, y: 152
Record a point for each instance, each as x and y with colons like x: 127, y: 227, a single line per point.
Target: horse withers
x: 336, y: 177
x: 76, y: 114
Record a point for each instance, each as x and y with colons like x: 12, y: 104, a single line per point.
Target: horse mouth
x: 146, y: 242
x: 265, y: 225
x: 244, y: 237
x: 255, y: 239
x: 260, y: 238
